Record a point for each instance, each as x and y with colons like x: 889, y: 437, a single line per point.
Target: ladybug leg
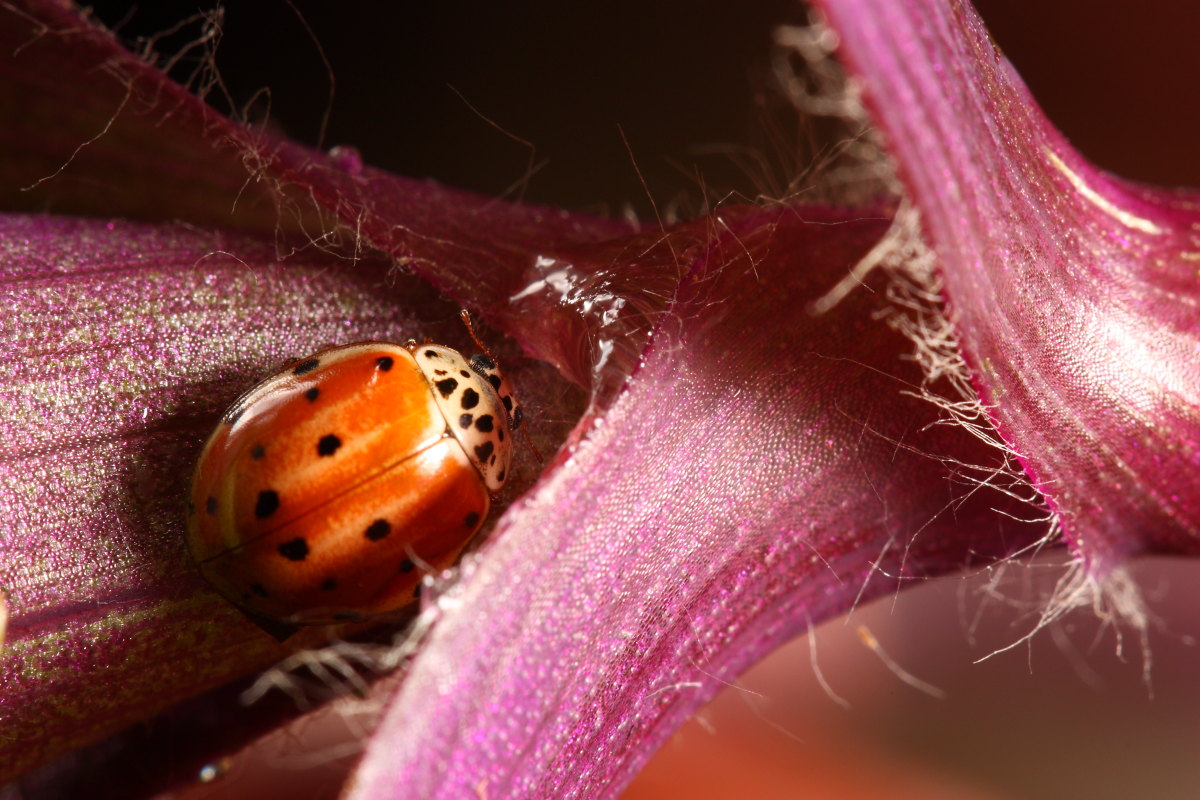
x: 277, y: 629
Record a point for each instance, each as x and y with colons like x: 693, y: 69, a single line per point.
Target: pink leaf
x: 130, y: 339
x: 762, y: 470
x: 744, y: 468
x: 1074, y: 293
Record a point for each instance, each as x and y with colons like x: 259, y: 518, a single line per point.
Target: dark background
x: 679, y: 78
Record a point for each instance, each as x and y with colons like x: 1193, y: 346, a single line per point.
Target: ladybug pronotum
x: 327, y: 490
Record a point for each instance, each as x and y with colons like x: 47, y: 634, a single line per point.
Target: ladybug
x: 328, y: 489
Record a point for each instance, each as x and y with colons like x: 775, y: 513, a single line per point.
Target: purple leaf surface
x: 744, y: 468
x: 129, y: 339
x: 126, y: 341
x: 1073, y: 293
x: 761, y: 471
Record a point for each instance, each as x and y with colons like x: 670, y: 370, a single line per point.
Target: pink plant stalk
x: 1073, y: 293
x: 744, y: 468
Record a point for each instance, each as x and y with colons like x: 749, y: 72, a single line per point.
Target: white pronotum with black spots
x: 478, y: 407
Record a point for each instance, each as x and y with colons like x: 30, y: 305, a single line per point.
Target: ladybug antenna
x: 465, y: 316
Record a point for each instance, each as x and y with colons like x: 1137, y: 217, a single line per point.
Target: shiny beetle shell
x: 329, y: 489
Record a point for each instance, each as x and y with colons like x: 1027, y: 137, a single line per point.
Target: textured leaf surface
x: 127, y: 341
x: 122, y: 343
x: 761, y: 471
x: 1075, y: 294
x: 744, y: 470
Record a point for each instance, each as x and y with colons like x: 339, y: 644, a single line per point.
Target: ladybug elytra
x: 328, y: 489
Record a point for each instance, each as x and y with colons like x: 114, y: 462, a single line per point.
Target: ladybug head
x: 485, y: 366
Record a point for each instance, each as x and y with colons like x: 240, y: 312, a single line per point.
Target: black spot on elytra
x: 294, y: 550
x: 440, y: 372
x: 465, y: 421
x: 470, y: 399
x: 259, y: 589
x: 500, y: 477
x: 482, y: 363
x: 267, y: 503
x: 407, y: 565
x: 210, y: 505
x: 417, y: 591
x: 432, y: 354
x: 464, y: 373
x: 378, y: 529
x: 311, y: 394
x: 447, y: 386
x: 329, y: 585
x: 384, y: 363
x: 494, y: 380
x: 471, y: 520
x: 257, y: 452
x: 500, y: 433
x: 517, y: 415
x: 306, y: 366
x: 507, y: 400
x: 328, y: 445
x: 483, y: 452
